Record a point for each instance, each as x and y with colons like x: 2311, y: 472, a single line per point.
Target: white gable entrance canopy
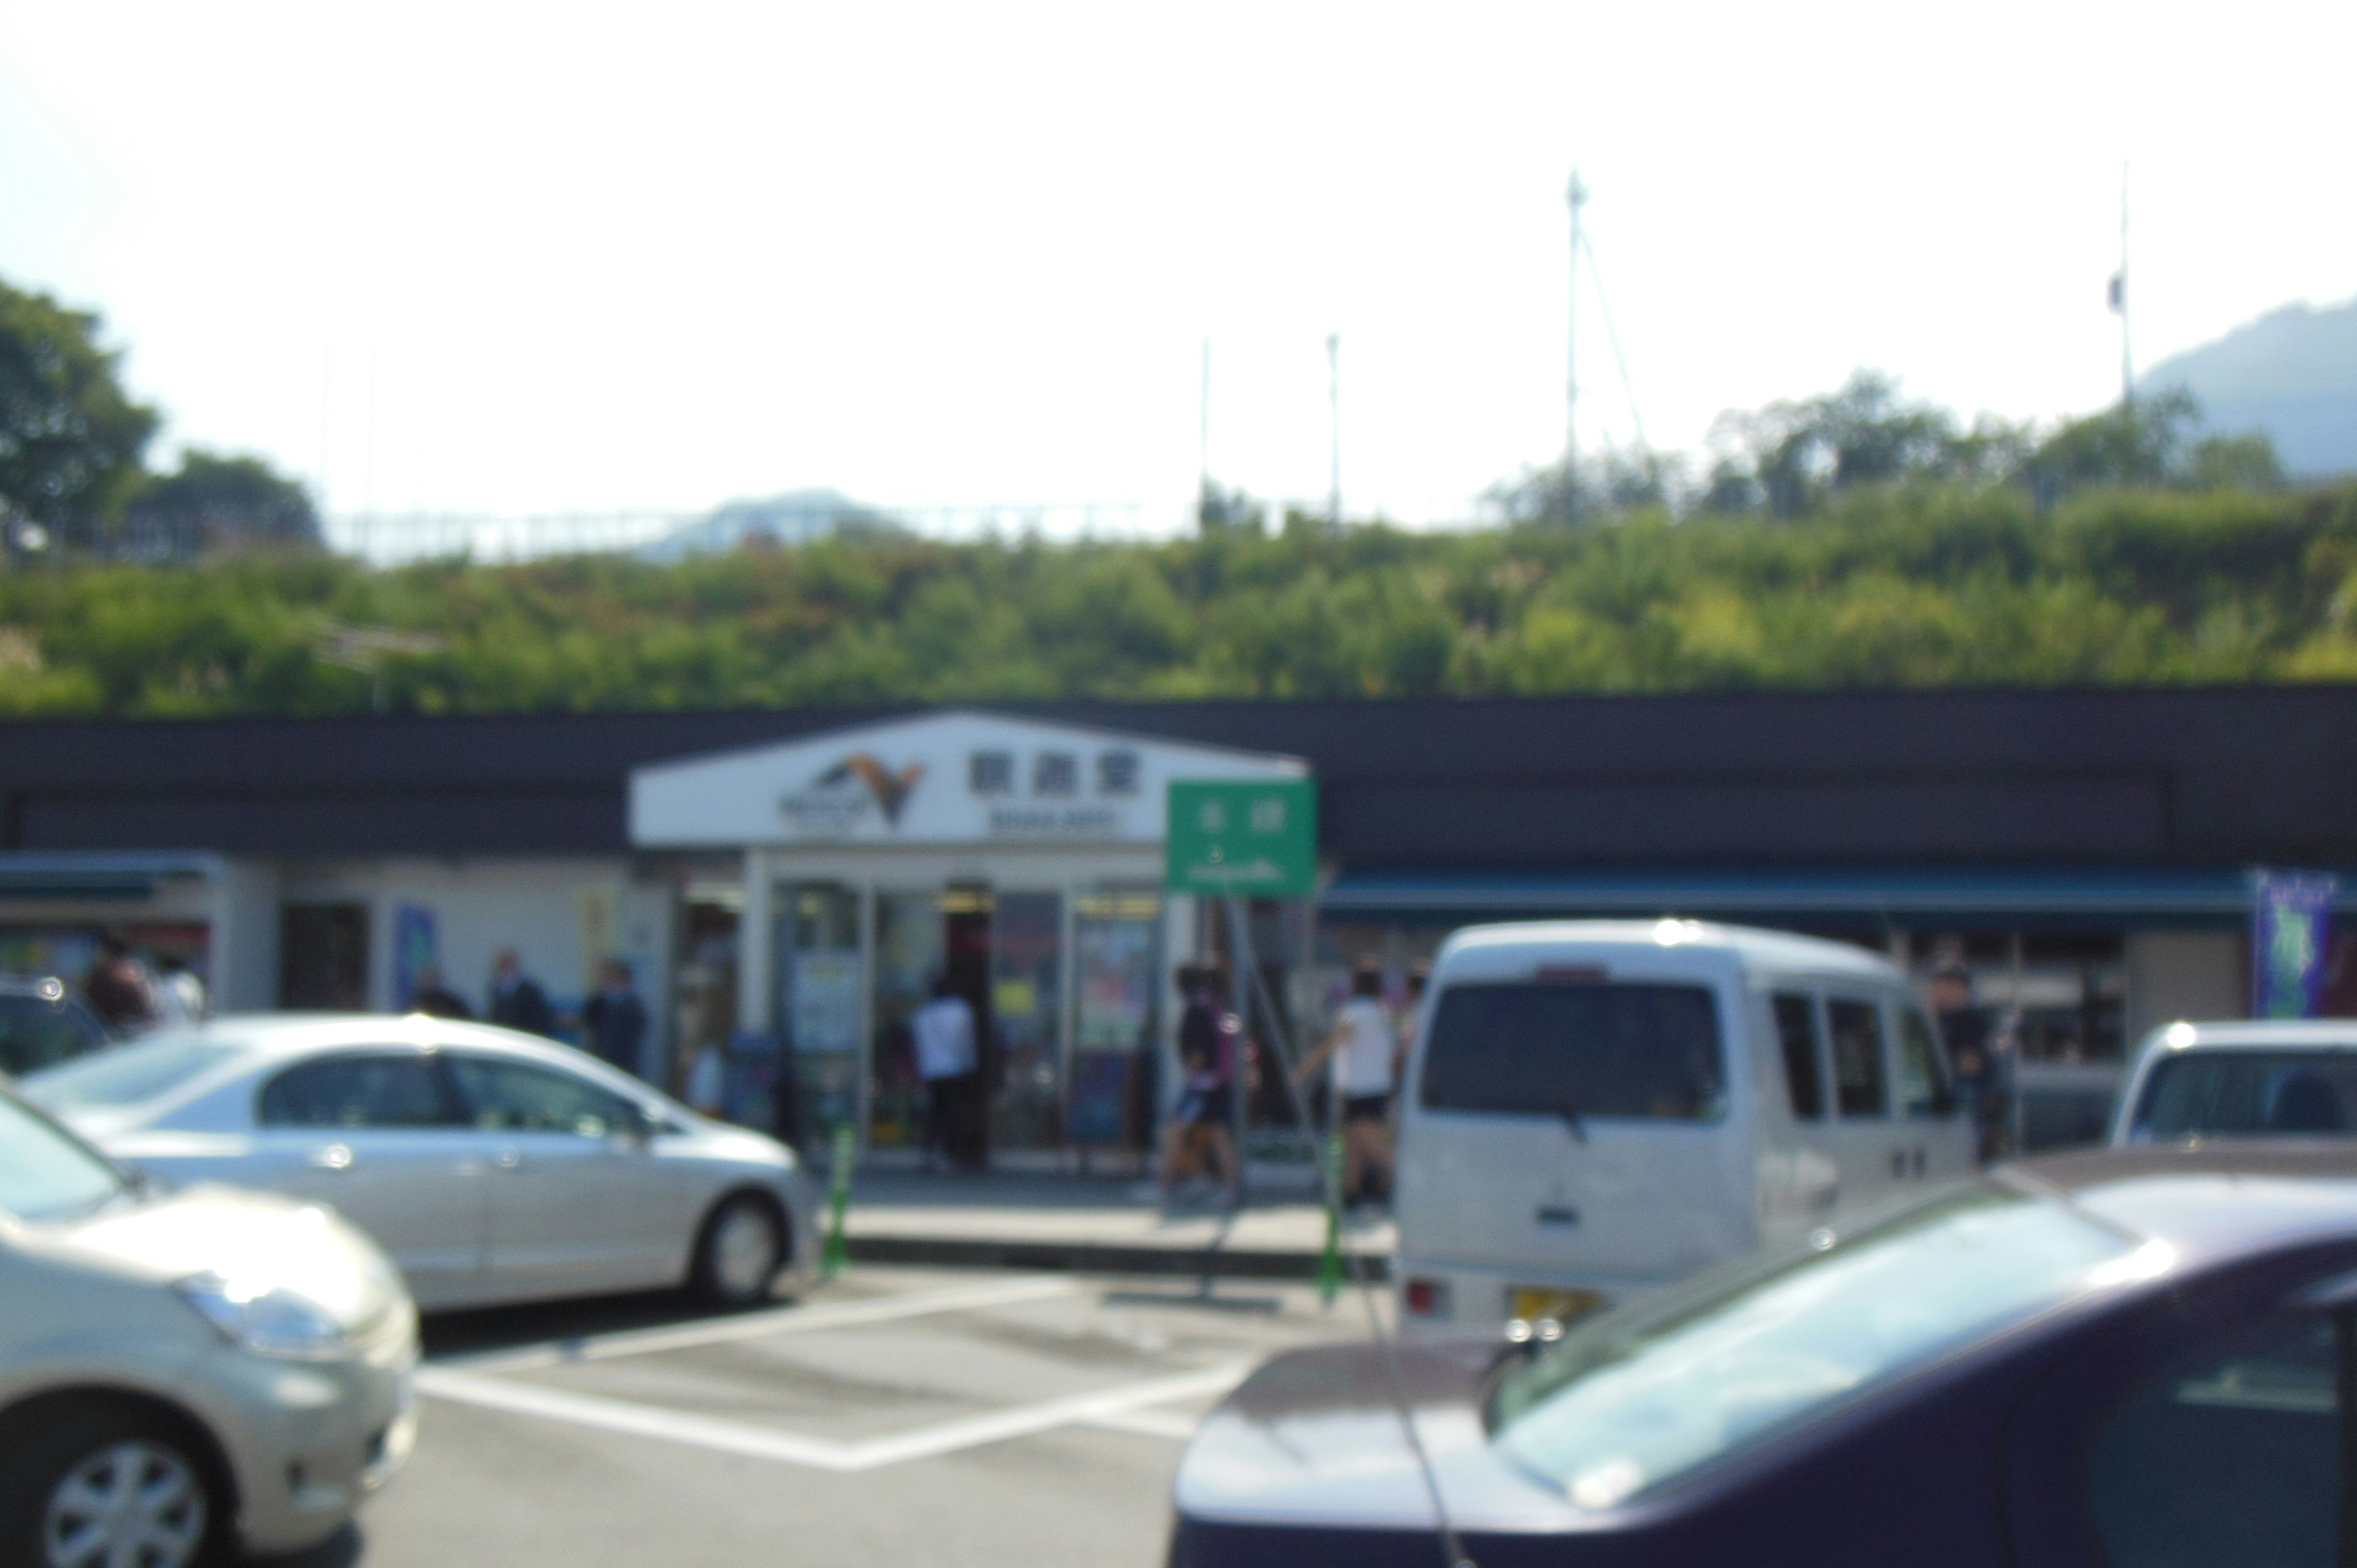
x: 943, y: 778
x: 1018, y: 862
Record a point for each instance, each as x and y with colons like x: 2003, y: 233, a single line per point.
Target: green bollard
x: 1330, y: 1266
x: 838, y: 1251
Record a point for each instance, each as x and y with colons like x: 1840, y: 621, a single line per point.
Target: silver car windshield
x: 44, y: 1172
x: 127, y: 1075
x: 1638, y: 1398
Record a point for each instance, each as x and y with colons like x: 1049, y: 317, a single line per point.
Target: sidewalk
x: 1093, y: 1224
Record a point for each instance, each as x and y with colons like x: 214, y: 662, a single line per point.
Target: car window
x: 523, y: 1096
x: 1591, y: 1049
x: 37, y: 1033
x: 1796, y: 1035
x: 45, y: 1171
x: 128, y: 1075
x: 2287, y: 1093
x: 359, y: 1090
x: 1858, y: 1087
x: 2232, y: 1453
x: 1922, y: 1075
x: 1638, y: 1397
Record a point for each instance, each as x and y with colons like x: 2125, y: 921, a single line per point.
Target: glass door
x: 908, y: 953
x: 816, y: 1085
x: 1027, y: 942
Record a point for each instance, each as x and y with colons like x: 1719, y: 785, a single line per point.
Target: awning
x: 1972, y: 895
x: 114, y: 875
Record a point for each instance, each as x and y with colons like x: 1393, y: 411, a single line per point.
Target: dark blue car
x: 2140, y: 1359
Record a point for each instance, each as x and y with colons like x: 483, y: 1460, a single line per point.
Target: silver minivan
x: 1596, y: 1108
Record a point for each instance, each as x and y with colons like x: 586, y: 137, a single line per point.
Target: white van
x: 1598, y: 1108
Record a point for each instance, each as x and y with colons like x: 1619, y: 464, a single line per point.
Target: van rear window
x: 1649, y: 1051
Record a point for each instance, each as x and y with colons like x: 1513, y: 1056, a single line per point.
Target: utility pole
x: 2120, y: 299
x: 1334, y: 410
x: 1577, y: 195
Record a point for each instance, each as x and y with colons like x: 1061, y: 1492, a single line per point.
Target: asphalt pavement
x: 897, y: 1416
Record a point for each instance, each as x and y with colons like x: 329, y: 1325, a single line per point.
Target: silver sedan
x: 492, y: 1167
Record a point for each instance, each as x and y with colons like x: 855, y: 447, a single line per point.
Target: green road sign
x: 1257, y: 839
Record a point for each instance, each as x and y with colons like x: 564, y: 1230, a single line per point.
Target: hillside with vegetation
x: 1853, y: 538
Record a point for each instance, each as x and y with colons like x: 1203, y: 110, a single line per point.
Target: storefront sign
x: 1256, y: 838
x: 939, y: 778
x: 2291, y: 930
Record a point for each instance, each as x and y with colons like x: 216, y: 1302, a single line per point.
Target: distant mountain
x: 2291, y: 374
x: 796, y: 517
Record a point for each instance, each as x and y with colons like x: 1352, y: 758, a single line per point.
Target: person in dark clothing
x: 437, y: 1000
x: 1211, y: 1049
x: 614, y: 1022
x: 1972, y: 1054
x: 116, y: 990
x: 517, y: 1000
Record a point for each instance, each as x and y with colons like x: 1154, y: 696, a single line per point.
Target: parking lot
x: 896, y: 1415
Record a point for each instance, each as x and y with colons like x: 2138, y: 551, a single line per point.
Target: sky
x: 519, y: 258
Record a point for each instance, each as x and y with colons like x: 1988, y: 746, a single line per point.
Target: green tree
x: 71, y: 439
x: 213, y: 501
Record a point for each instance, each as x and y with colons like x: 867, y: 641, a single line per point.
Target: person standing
x: 179, y: 996
x: 947, y: 1061
x: 116, y: 990
x: 1973, y: 1053
x: 437, y: 1000
x: 614, y: 1021
x: 517, y: 1000
x: 1364, y: 1046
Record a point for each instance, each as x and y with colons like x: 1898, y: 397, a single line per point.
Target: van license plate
x: 1531, y: 1302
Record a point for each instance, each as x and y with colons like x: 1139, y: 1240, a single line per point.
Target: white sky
x: 586, y: 257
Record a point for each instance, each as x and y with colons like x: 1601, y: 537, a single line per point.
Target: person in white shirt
x: 1364, y: 1046
x: 942, y: 1032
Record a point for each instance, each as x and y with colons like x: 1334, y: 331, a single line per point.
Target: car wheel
x: 99, y: 1486
x: 741, y: 1249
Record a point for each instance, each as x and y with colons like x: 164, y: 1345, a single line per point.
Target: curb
x: 1105, y: 1258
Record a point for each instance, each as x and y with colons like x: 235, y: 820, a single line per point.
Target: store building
x: 782, y: 882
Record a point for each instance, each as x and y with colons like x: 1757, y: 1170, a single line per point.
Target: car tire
x: 91, y: 1476
x: 739, y: 1252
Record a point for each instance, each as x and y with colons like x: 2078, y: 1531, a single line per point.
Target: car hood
x: 248, y: 1237
x: 1315, y: 1437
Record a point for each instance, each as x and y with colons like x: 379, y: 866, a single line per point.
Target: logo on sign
x: 839, y: 798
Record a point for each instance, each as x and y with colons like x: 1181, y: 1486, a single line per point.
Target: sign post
x: 1236, y: 841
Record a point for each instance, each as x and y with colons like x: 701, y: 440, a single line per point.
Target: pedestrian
x: 435, y: 1000
x: 1974, y: 1054
x: 116, y: 990
x: 1364, y: 1046
x: 614, y: 1021
x: 179, y: 996
x: 1211, y: 1041
x: 517, y: 1000
x: 942, y: 1033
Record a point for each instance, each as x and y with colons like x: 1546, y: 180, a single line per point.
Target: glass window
x: 2286, y: 1093
x: 393, y: 1090
x: 1858, y: 1087
x: 1922, y: 1074
x: 1585, y: 1049
x: 1734, y: 1357
x: 1796, y: 1033
x: 519, y: 1097
x: 36, y: 1033
x: 2231, y: 1455
x: 128, y: 1075
x: 47, y: 1173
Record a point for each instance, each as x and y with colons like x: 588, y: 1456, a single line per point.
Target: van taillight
x: 1425, y: 1298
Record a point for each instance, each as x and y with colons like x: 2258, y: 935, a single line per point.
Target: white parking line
x: 1147, y: 1423
x: 761, y: 1325
x: 819, y: 1454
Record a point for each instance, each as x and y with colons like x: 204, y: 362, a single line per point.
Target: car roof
x: 2260, y: 1034
x: 294, y: 1034
x: 2211, y: 1200
x: 1749, y: 946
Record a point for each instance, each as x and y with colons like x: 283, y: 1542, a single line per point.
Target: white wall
x: 2194, y: 975
x: 244, y: 956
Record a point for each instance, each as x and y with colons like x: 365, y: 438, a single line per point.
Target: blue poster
x: 413, y: 952
x: 2291, y: 931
